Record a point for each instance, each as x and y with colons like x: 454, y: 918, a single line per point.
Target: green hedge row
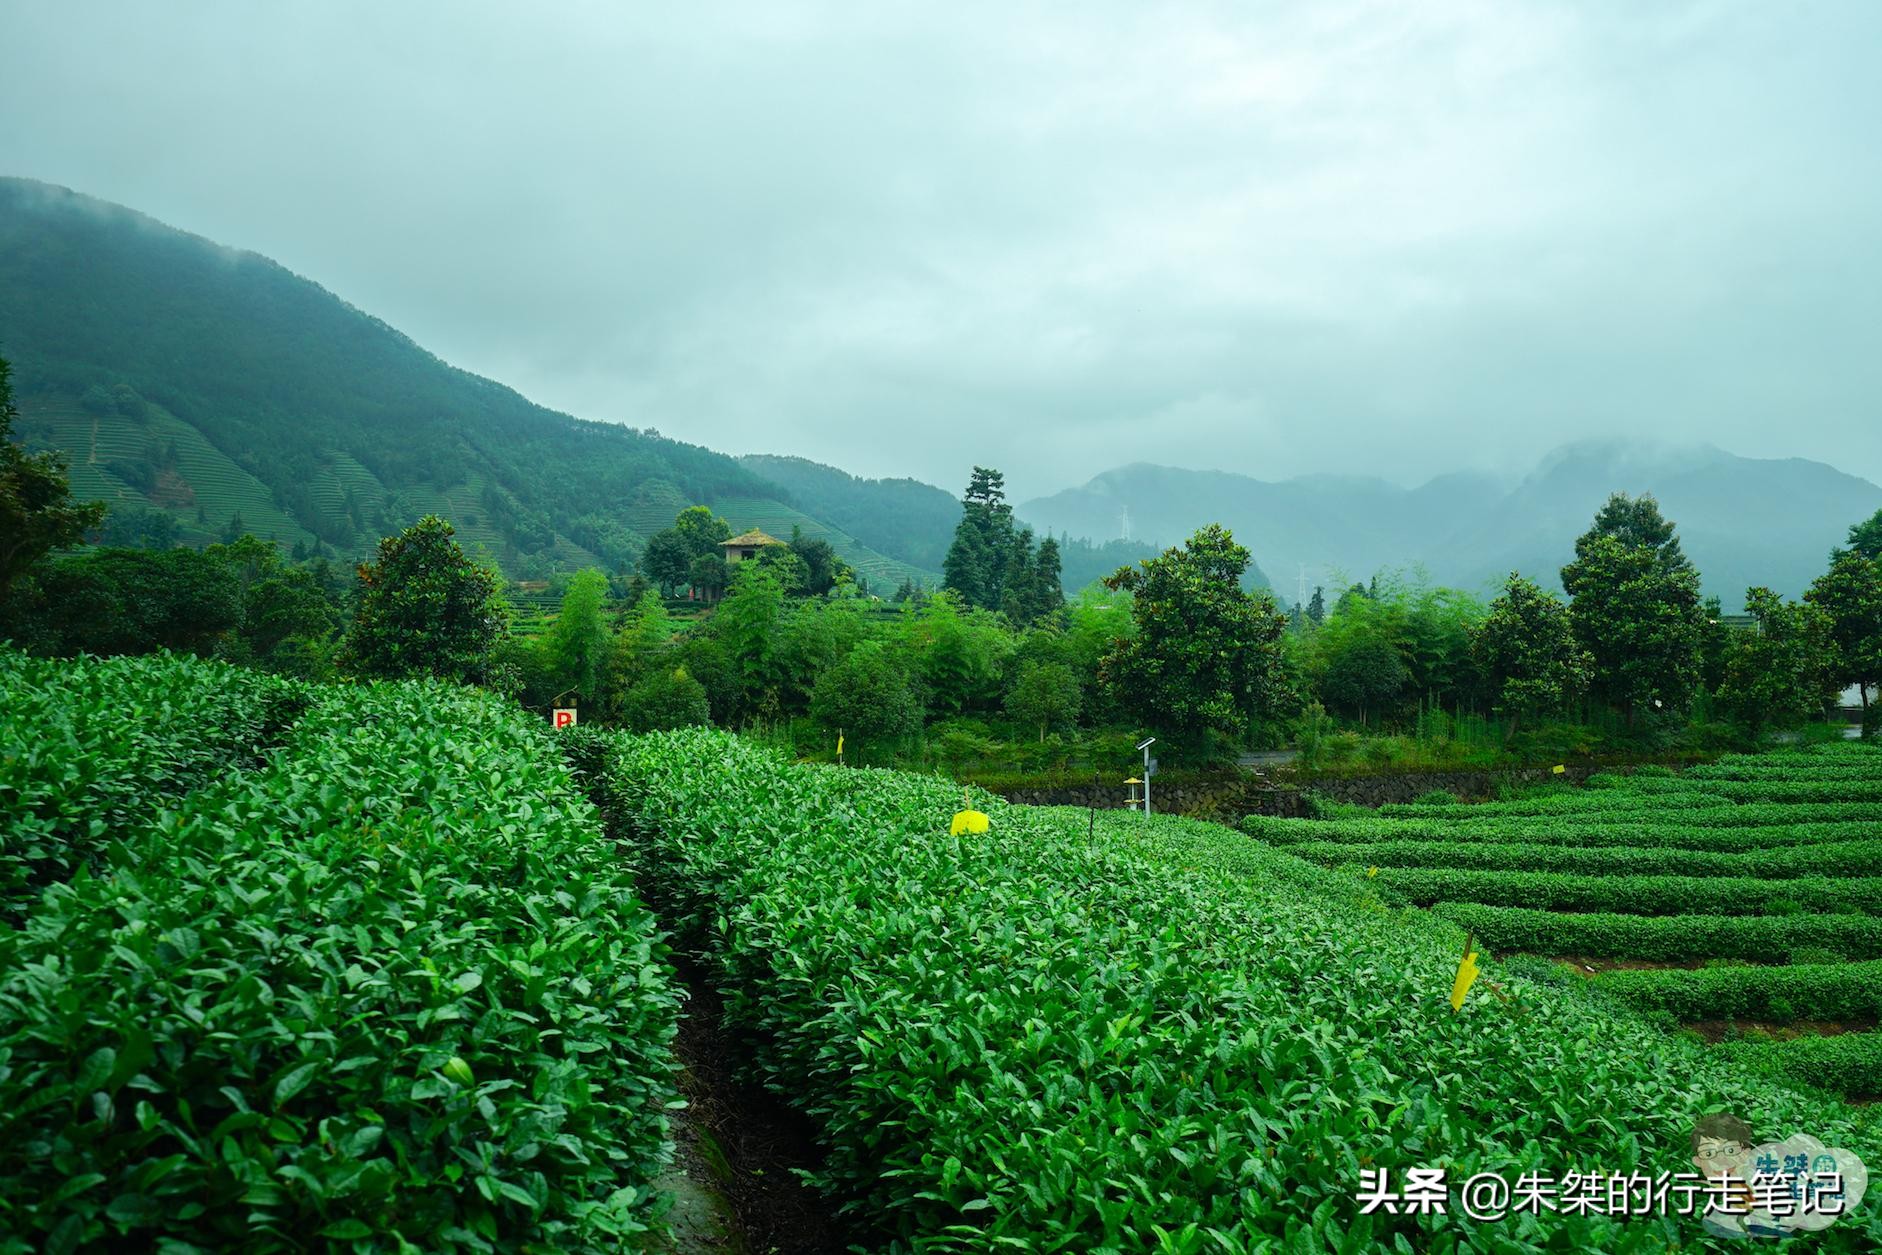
x: 391, y: 987
x: 1611, y: 801
x: 1638, y: 895
x: 1098, y: 1034
x: 1778, y: 995
x: 1847, y: 1063
x: 1841, y: 858
x: 1762, y: 938
x: 1685, y: 835
x: 92, y: 747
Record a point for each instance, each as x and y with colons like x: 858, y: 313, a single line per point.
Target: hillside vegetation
x: 1743, y: 896
x: 1095, y: 1033
x: 219, y: 389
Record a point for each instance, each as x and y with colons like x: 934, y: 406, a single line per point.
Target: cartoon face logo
x: 1721, y: 1145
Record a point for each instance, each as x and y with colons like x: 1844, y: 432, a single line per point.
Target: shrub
x: 393, y: 984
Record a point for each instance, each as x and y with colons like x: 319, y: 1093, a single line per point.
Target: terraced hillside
x: 1741, y: 901
x: 1083, y: 1032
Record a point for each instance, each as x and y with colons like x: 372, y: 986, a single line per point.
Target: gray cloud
x: 1325, y: 236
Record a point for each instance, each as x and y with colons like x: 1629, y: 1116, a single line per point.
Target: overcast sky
x: 1381, y: 238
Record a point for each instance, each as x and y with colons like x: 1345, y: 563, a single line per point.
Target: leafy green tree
x: 666, y: 560
x: 702, y: 531
x: 1865, y: 537
x: 710, y: 574
x: 425, y: 609
x: 665, y: 699
x: 1636, y: 609
x: 1531, y: 662
x: 823, y: 570
x: 577, y: 645
x: 644, y: 633
x: 975, y: 566
x: 1317, y: 606
x: 1365, y: 675
x: 869, y: 697
x: 1207, y: 655
x: 783, y: 561
x: 127, y: 601
x: 1779, y: 675
x: 960, y: 654
x: 37, y: 515
x: 747, y: 625
x: 1044, y: 695
x: 814, y: 637
x: 1850, y: 596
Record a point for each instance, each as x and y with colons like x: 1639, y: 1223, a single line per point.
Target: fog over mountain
x: 1743, y: 521
x: 1322, y: 236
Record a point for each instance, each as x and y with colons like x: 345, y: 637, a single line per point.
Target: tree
x: 1531, y: 661
x: 709, y: 574
x: 1207, y: 656
x: 1317, y: 606
x: 1636, y: 608
x: 1850, y: 596
x: 37, y: 515
x: 576, y: 648
x: 975, y: 566
x: 960, y: 654
x: 127, y: 601
x: 644, y: 633
x: 1044, y: 695
x: 424, y: 609
x: 1365, y: 675
x: 747, y: 625
x: 1865, y: 537
x: 869, y: 696
x: 701, y: 531
x: 665, y: 699
x: 1778, y: 675
x: 783, y: 561
x: 666, y: 560
x: 823, y: 570
x: 1048, y: 579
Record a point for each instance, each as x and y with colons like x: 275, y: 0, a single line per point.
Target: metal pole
x: 1145, y: 747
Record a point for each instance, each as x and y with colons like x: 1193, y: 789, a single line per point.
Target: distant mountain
x: 1743, y: 521
x: 218, y: 389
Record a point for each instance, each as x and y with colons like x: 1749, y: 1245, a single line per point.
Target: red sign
x: 564, y: 717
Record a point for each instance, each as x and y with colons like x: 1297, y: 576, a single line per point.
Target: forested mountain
x: 203, y: 391
x: 1743, y: 521
x: 903, y: 518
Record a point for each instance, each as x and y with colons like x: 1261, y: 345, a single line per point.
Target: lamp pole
x: 1145, y: 747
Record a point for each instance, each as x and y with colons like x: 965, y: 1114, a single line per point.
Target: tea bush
x: 1831, y: 991
x: 390, y: 986
x: 1665, y: 937
x: 93, y: 747
x: 1097, y: 1033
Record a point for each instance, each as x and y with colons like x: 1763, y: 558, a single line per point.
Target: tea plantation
x: 293, y: 968
x: 285, y: 969
x: 1096, y: 1033
x: 1743, y: 897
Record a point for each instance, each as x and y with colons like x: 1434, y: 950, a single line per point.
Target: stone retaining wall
x: 1231, y: 797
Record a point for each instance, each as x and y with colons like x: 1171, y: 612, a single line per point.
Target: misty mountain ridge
x: 203, y: 391
x: 1743, y: 521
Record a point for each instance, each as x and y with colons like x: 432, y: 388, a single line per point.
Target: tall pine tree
x: 976, y: 562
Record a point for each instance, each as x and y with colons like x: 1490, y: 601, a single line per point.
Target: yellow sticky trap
x: 1371, y: 872
x: 967, y: 819
x: 1466, y: 976
x: 1558, y: 769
